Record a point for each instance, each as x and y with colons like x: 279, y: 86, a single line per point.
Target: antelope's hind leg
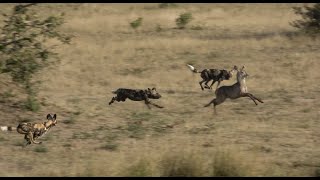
x: 250, y: 96
x: 256, y: 98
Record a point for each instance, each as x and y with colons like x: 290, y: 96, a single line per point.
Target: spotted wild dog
x: 235, y: 91
x: 33, y: 131
x: 212, y: 74
x: 136, y: 95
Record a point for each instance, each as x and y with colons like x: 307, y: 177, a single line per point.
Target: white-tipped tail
x: 193, y: 69
x: 7, y: 128
x: 4, y: 128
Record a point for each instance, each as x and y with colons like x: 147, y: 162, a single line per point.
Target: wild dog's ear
x: 242, y: 68
x: 235, y: 67
x: 148, y: 89
x: 54, y: 117
x: 49, y: 117
x: 153, y: 88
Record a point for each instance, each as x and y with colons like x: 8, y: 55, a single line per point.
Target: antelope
x: 212, y: 74
x: 237, y: 90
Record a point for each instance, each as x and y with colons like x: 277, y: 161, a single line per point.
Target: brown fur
x: 32, y: 131
x: 237, y: 90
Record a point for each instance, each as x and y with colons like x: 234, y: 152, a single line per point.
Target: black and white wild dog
x: 136, y: 95
x: 212, y: 74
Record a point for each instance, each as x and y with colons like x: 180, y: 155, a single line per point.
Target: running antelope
x: 237, y: 90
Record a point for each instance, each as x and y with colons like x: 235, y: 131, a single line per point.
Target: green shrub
x: 183, y: 20
x: 32, y: 104
x: 23, y: 51
x: 41, y: 149
x: 167, y: 5
x: 136, y: 23
x: 310, y: 22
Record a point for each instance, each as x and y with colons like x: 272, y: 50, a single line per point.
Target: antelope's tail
x: 8, y: 128
x: 193, y: 69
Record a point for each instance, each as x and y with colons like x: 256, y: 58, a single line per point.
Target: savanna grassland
x: 277, y: 138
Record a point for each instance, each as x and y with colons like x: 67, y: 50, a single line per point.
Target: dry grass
x: 96, y: 139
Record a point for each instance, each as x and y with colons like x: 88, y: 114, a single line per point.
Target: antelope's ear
x: 54, y: 117
x: 49, y: 117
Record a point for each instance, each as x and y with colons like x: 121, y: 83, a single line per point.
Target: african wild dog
x: 32, y: 131
x: 237, y: 90
x: 136, y: 95
x: 212, y: 74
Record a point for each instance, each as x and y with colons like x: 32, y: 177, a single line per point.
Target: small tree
x: 183, y: 20
x: 22, y: 46
x: 310, y: 22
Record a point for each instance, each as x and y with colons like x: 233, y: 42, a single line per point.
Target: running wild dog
x: 237, y: 90
x: 33, y: 131
x: 212, y: 74
x: 136, y: 95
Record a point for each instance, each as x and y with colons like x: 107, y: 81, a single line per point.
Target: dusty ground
x: 278, y: 138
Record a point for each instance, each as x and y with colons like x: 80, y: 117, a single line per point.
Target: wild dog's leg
x: 206, y: 84
x: 201, y: 84
x: 146, y: 100
x: 26, y: 137
x: 250, y: 96
x: 112, y: 100
x: 147, y: 103
x: 155, y: 105
x: 210, y: 87
x: 30, y: 134
x: 255, y: 98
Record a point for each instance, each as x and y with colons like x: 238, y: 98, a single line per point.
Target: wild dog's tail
x: 115, y: 92
x: 193, y: 69
x: 8, y: 128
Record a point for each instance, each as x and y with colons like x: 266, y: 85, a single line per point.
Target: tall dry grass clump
x: 188, y: 164
x: 182, y: 164
x: 227, y: 164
